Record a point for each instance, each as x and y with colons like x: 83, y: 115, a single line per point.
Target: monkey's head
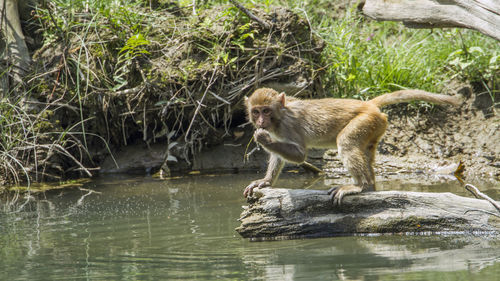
x: 264, y: 108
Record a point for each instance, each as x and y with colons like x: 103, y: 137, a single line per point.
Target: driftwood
x: 481, y: 15
x: 16, y: 53
x: 286, y: 213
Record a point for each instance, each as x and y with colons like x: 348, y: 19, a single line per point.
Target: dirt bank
x: 434, y: 139
x: 421, y: 140
x: 175, y: 83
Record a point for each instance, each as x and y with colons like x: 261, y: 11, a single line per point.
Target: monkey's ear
x: 281, y: 98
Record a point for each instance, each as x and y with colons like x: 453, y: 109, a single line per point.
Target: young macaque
x: 286, y: 127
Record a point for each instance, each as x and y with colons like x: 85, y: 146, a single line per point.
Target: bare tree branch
x: 251, y: 15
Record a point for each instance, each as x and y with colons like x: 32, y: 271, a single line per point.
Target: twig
x: 472, y: 189
x: 90, y: 191
x: 311, y: 168
x: 130, y: 91
x: 194, y: 8
x: 63, y: 151
x: 251, y: 15
x: 200, y: 103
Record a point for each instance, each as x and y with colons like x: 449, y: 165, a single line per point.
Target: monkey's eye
x: 255, y: 112
x: 266, y: 111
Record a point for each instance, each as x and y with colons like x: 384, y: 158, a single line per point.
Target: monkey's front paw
x: 262, y: 136
x: 337, y: 193
x: 256, y: 183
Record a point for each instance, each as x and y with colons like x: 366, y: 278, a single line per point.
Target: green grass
x: 364, y: 58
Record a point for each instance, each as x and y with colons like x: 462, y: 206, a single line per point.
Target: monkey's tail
x: 411, y: 95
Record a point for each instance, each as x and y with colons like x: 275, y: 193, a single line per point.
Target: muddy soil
x: 433, y: 140
x: 422, y: 143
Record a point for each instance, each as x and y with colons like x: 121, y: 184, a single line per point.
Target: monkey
x: 287, y: 126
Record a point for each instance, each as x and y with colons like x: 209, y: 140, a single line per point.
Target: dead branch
x: 251, y: 15
x: 481, y: 15
x: 472, y: 189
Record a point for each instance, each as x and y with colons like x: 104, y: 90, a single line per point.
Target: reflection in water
x: 143, y: 228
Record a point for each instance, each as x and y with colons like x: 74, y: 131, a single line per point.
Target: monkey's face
x: 264, y: 108
x: 262, y: 117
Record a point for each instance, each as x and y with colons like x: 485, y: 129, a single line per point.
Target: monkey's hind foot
x: 255, y: 184
x: 338, y: 192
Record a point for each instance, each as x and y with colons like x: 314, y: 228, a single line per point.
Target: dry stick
x: 472, y: 189
x: 59, y: 148
x: 311, y: 168
x: 90, y: 191
x: 251, y: 15
x: 210, y: 83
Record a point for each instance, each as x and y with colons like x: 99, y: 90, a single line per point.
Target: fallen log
x: 275, y: 213
x: 481, y: 15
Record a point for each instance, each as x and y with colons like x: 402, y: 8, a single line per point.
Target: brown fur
x: 287, y: 126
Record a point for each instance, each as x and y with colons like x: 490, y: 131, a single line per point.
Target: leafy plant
x: 244, y: 32
x: 133, y: 48
x: 477, y: 65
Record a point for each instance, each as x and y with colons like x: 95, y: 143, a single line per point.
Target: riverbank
x: 135, y: 88
x: 432, y: 141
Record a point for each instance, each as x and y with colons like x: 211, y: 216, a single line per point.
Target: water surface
x: 141, y: 228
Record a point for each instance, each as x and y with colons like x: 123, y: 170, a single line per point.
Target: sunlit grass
x: 363, y: 57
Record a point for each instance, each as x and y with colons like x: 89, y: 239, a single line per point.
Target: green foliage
x: 244, y: 32
x: 476, y: 64
x: 364, y: 58
x: 134, y: 47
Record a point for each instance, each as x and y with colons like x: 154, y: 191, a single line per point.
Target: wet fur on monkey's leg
x: 356, y: 144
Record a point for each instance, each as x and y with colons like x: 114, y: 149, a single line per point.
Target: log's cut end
x: 293, y: 213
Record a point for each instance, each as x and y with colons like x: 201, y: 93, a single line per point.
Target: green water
x: 139, y: 228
